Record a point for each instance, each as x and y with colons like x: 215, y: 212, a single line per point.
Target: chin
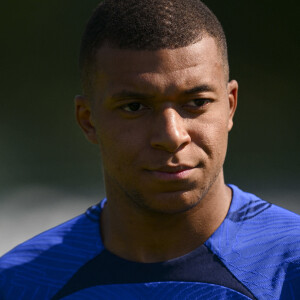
x: 170, y: 202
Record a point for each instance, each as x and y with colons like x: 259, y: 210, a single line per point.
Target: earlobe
x: 232, y: 89
x: 84, y: 118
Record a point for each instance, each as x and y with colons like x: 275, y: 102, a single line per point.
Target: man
x: 158, y: 101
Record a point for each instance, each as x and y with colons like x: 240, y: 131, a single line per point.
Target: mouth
x: 178, y: 172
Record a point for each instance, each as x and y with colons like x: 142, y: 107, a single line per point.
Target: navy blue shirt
x: 254, y: 254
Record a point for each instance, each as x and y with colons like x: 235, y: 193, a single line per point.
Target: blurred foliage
x: 40, y: 141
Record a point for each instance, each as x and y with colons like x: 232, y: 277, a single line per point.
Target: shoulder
x: 260, y: 225
x: 260, y: 243
x: 258, y: 216
x: 43, y: 263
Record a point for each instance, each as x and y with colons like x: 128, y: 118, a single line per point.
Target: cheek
x: 220, y: 140
x: 211, y: 135
x: 119, y: 147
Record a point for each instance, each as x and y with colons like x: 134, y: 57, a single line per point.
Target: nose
x: 169, y: 131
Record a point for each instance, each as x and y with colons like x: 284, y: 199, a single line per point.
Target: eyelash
x: 129, y: 107
x: 131, y: 104
x: 203, y: 101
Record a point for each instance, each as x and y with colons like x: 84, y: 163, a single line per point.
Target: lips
x: 172, y: 169
x: 171, y: 173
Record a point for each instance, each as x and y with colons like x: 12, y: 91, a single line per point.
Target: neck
x: 151, y: 237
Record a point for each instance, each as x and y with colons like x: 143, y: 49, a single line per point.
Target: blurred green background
x: 42, y: 145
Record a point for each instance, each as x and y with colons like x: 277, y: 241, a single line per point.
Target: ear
x: 84, y: 118
x: 232, y: 90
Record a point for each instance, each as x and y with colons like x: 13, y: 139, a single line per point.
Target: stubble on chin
x: 179, y: 202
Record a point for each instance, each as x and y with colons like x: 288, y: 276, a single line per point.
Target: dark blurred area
x: 42, y: 145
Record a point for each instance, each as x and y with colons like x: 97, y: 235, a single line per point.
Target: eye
x: 133, y: 107
x: 198, y: 102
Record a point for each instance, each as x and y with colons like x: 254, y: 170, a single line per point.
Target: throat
x: 144, y: 238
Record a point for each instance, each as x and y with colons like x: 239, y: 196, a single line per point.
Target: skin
x: 161, y: 119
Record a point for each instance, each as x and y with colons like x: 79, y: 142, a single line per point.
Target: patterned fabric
x: 160, y: 290
x: 260, y: 244
x: 254, y: 254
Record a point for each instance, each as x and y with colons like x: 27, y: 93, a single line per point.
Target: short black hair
x: 148, y: 25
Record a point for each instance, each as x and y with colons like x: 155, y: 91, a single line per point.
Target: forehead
x: 163, y: 70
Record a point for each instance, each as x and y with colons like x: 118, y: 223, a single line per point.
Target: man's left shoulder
x: 259, y: 243
x: 266, y: 226
x: 277, y: 224
x: 251, y: 211
x: 282, y: 231
x: 277, y: 217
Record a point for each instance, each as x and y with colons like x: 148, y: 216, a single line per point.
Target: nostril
x: 169, y: 132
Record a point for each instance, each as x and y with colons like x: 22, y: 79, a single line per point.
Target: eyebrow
x: 199, y: 89
x: 131, y: 95
x: 126, y: 94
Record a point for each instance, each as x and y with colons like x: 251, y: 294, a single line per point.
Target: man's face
x: 161, y: 119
